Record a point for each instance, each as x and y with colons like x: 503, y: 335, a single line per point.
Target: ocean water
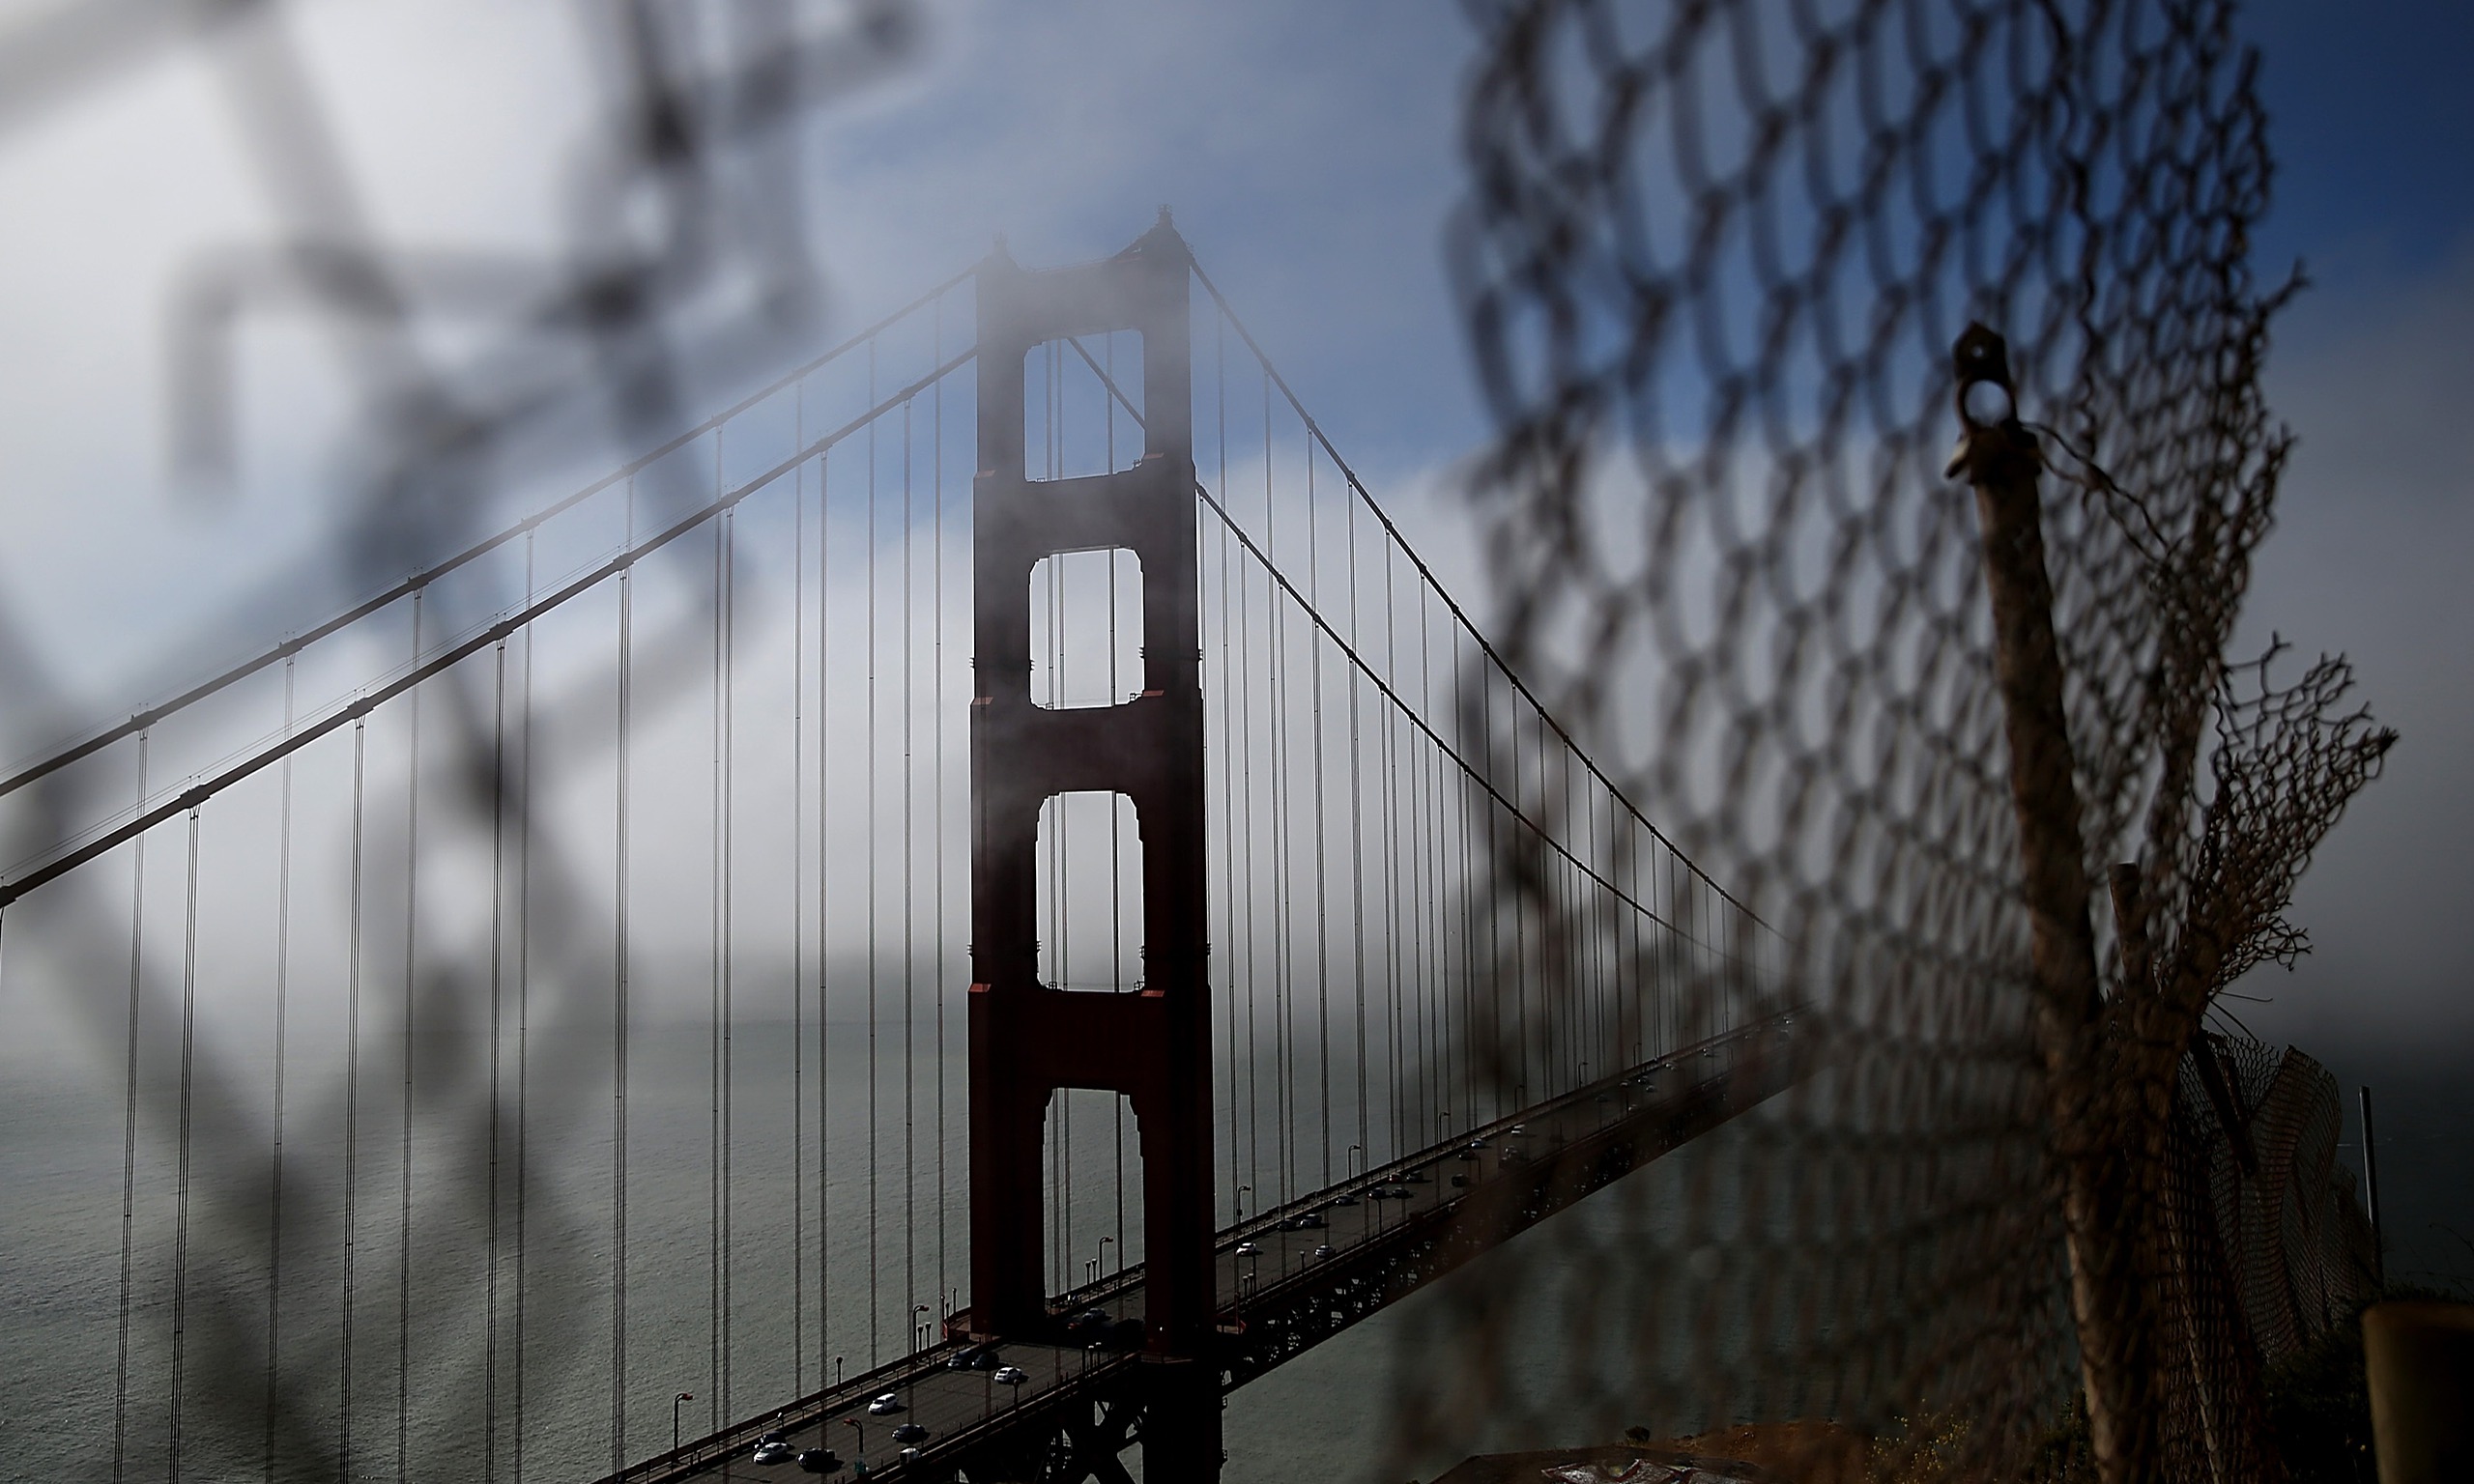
x: 827, y: 1257
x: 468, y: 1359
x: 477, y: 1340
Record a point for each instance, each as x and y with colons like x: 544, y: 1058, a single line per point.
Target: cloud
x: 2370, y: 558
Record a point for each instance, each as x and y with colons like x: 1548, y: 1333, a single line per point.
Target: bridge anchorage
x: 1033, y: 1384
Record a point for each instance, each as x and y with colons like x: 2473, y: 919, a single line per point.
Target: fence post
x: 2371, y: 1194
x: 2001, y: 459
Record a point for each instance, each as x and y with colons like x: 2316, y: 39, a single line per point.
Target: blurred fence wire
x: 682, y: 263
x: 1717, y: 260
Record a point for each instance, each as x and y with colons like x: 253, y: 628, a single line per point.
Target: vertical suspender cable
x: 1272, y: 1192
x: 715, y: 1310
x: 1605, y: 1037
x: 1357, y: 846
x: 1636, y: 970
x: 1391, y: 884
x: 824, y: 919
x: 1276, y: 614
x: 498, y: 977
x: 354, y: 936
x: 1593, y: 913
x: 181, y: 1208
x: 1230, y: 818
x: 1433, y: 1061
x: 1468, y: 919
x: 1576, y: 896
x: 1416, y: 948
x: 909, y: 932
x: 1662, y: 1001
x: 728, y: 931
x: 876, y: 1304
x: 1321, y: 847
x: 1116, y: 876
x: 1493, y: 893
x: 936, y: 752
x: 1519, y: 943
x: 1596, y: 1040
x: 1061, y: 894
x: 282, y: 1009
x: 1245, y: 762
x: 798, y: 900
x: 523, y: 996
x: 1589, y: 912
x: 404, y: 1122
x: 128, y: 1122
x: 621, y: 963
x: 1228, y: 756
x: 1703, y: 969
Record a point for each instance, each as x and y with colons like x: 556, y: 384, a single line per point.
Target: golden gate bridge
x: 946, y: 918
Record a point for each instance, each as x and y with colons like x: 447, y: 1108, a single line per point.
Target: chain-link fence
x: 673, y: 267
x: 1716, y: 258
x: 1717, y: 261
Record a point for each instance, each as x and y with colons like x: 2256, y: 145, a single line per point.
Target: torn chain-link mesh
x: 1713, y: 260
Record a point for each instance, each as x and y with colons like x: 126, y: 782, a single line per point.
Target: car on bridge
x: 967, y: 1357
x: 886, y: 1405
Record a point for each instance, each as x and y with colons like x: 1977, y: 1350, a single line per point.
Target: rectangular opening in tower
x: 1086, y: 629
x: 1082, y: 404
x: 1093, y: 1151
x: 1090, y: 893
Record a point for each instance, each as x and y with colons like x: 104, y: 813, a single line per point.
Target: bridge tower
x: 1029, y: 1040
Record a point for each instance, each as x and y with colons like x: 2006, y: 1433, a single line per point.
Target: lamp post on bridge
x: 684, y: 1396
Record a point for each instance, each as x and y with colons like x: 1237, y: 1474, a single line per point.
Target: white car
x: 774, y: 1452
x: 1009, y: 1376
x: 885, y: 1406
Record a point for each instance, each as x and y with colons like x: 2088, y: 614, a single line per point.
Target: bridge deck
x: 1442, y: 1206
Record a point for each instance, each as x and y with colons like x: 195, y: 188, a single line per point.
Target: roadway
x: 1281, y: 1287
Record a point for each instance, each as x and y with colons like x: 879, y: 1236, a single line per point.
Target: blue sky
x: 2373, y: 121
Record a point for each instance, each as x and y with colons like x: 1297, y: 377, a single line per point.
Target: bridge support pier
x: 1181, y: 1420
x: 1028, y: 1040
